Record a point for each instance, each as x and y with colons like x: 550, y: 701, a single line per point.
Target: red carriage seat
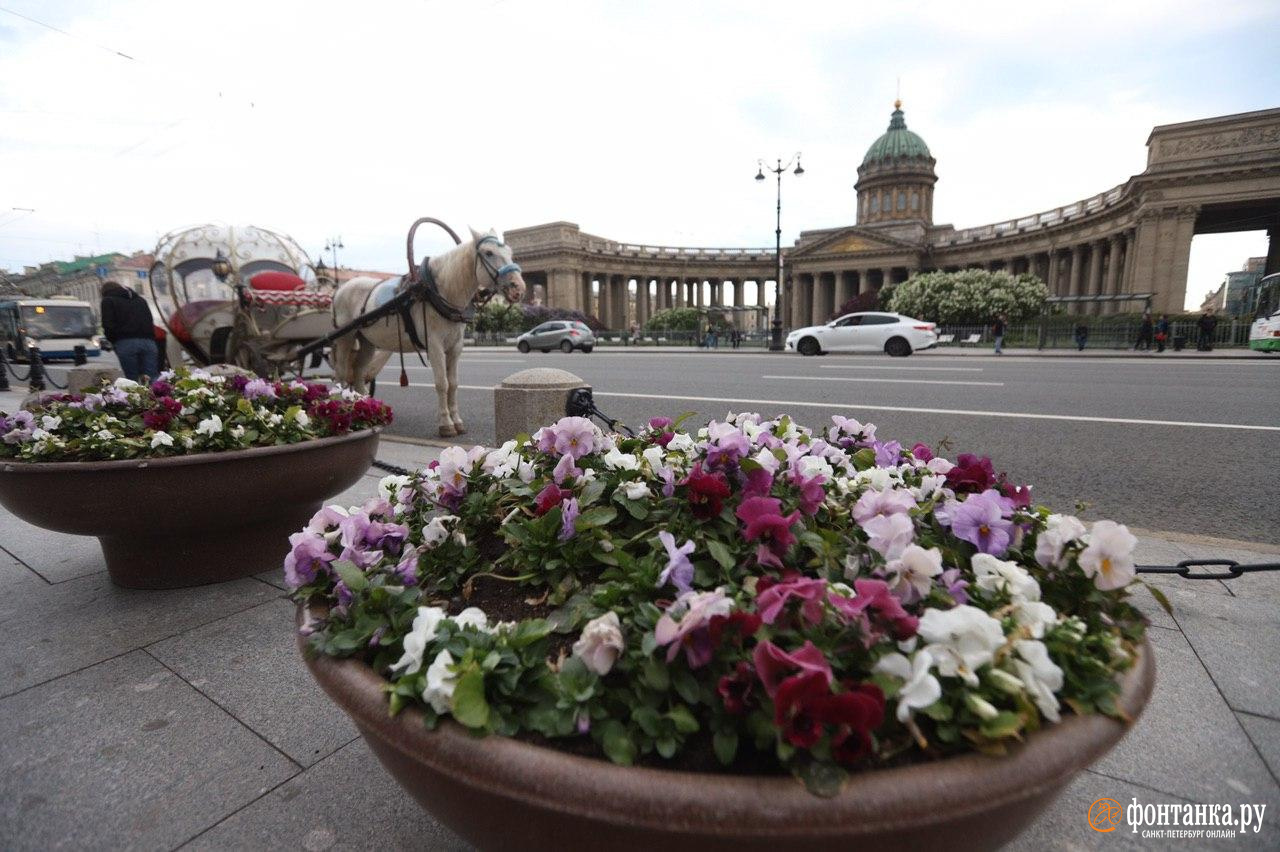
x: 277, y: 282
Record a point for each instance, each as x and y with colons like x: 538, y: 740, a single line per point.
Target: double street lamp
x: 775, y: 343
x: 332, y: 245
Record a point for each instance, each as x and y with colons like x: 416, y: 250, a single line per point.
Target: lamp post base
x: 775, y: 342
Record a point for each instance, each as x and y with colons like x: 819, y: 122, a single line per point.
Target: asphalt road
x: 1187, y: 445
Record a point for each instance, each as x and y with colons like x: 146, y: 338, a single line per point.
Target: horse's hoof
x: 459, y: 428
x: 447, y: 432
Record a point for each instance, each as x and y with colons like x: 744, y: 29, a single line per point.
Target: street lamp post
x: 775, y: 343
x: 332, y: 245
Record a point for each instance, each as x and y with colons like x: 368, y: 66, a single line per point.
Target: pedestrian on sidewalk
x: 1162, y: 332
x: 127, y: 324
x: 1208, y: 324
x: 1082, y: 336
x: 1145, y: 331
x: 997, y: 332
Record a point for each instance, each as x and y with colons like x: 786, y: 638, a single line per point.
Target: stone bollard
x: 530, y: 399
x: 80, y: 379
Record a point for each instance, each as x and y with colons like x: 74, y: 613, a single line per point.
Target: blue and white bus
x: 56, y: 326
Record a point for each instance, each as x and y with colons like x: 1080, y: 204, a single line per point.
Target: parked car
x: 565, y: 335
x: 867, y: 331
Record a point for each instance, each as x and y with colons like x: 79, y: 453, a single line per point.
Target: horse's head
x: 495, y: 267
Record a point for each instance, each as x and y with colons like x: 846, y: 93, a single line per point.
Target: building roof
x: 896, y: 142
x: 63, y: 267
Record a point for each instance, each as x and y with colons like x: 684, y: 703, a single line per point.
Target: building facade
x: 82, y: 277
x: 1120, y: 250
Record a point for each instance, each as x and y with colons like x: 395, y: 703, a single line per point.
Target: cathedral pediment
x: 853, y: 241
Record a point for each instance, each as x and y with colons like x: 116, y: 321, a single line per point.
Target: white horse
x: 481, y: 264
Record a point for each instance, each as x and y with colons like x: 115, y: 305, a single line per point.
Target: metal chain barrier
x: 1232, y: 569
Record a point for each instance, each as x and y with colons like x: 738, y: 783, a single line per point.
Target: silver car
x: 565, y: 335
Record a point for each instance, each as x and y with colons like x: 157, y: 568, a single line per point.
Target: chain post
x: 36, y: 381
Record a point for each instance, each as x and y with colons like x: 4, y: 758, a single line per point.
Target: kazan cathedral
x: 1123, y: 249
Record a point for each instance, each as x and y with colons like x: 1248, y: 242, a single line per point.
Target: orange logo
x: 1105, y: 815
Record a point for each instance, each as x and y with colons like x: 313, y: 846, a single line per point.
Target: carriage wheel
x: 249, y: 358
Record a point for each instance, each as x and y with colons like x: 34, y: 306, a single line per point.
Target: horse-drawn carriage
x: 241, y: 295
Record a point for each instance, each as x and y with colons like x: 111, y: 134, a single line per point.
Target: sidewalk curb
x: 1207, y: 541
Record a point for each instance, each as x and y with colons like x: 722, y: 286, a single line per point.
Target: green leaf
x: 351, y: 575
x: 686, y: 684
x: 591, y: 493
x: 635, y: 509
x: 683, y: 719
x: 1160, y: 598
x: 617, y: 743
x: 469, y: 705
x: 1005, y: 725
x: 655, y: 675
x: 720, y: 553
x: 725, y: 744
x: 598, y: 517
x: 939, y: 711
x: 666, y: 746
x: 648, y: 720
x: 822, y: 779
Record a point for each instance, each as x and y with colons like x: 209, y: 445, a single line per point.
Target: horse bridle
x: 484, y: 294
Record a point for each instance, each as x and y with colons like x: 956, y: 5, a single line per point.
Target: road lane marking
x: 886, y: 381
x: 887, y: 367
x: 1011, y: 415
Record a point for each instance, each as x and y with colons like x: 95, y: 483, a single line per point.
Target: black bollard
x: 4, y: 371
x: 36, y: 383
x: 80, y: 357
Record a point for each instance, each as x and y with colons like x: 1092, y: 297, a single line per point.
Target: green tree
x: 498, y: 316
x: 969, y: 296
x: 674, y: 319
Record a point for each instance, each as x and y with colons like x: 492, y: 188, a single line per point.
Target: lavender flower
x: 257, y: 388
x: 982, y: 521
x: 679, y: 569
x: 570, y: 510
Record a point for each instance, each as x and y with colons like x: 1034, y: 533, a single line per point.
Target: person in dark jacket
x: 1145, y: 332
x: 1162, y: 332
x: 126, y: 322
x: 1208, y: 324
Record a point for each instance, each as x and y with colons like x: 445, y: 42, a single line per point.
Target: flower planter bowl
x: 499, y: 792
x: 189, y: 520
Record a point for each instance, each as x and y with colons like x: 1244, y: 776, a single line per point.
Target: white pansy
x: 187, y: 442
x: 161, y: 439
x: 302, y: 419
x: 472, y: 616
x: 996, y: 575
x: 681, y: 443
x: 1060, y: 530
x: 125, y: 384
x: 424, y: 629
x: 600, y: 643
x: 501, y: 462
x: 525, y: 472
x: 1036, y: 616
x: 961, y: 640
x: 389, y: 486
x: 916, y: 567
x: 440, y: 683
x: 210, y: 426
x: 437, y: 530
x: 236, y: 432
x: 50, y: 423
x: 1039, y: 674
x: 617, y: 460
x: 878, y: 478
x: 654, y: 457
x: 105, y: 434
x: 1108, y: 558
x: 38, y: 434
x: 636, y: 490
x: 919, y: 687
x: 454, y: 467
x: 811, y: 466
x: 939, y: 465
x: 930, y: 487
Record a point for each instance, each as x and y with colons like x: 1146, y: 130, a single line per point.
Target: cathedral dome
x: 896, y: 142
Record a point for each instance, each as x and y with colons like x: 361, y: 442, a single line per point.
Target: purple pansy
x: 571, y: 512
x: 982, y: 520
x: 679, y: 569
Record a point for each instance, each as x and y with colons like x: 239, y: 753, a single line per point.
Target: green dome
x: 896, y: 142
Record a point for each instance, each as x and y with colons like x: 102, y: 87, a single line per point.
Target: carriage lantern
x: 221, y: 266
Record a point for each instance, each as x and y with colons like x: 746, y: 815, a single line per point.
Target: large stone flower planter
x: 501, y: 793
x: 189, y: 520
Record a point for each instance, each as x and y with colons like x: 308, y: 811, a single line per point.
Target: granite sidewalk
x: 185, y: 719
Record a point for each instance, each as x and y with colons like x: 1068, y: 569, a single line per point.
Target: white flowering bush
x: 182, y: 412
x: 970, y: 295
x: 750, y: 596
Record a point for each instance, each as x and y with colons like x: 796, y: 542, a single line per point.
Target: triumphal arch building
x: 1119, y: 250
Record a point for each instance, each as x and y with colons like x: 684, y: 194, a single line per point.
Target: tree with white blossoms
x: 970, y: 295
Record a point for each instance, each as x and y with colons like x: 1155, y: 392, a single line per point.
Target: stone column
x: 844, y: 287
x: 642, y: 300
x: 739, y: 292
x: 1094, y: 286
x: 886, y: 276
x: 1054, y: 274
x: 1111, y: 284
x: 602, y: 298
x: 1076, y: 278
x: 585, y: 288
x: 562, y: 288
x: 621, y: 302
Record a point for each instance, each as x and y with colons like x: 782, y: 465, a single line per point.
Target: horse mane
x: 455, y: 275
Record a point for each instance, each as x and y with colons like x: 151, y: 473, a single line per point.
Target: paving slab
x: 1265, y: 734
x: 60, y: 628
x: 1232, y: 637
x: 1065, y: 825
x: 1188, y: 743
x: 55, y: 556
x: 124, y: 754
x: 248, y: 664
x: 346, y: 801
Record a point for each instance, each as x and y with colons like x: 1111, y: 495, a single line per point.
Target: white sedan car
x: 868, y: 331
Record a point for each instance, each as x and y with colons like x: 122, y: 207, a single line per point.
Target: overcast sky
x: 640, y: 121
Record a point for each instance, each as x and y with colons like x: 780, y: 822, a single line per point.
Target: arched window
x: 915, y: 200
x: 875, y: 204
x: 902, y: 200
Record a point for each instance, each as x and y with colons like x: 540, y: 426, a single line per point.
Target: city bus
x: 56, y: 326
x: 1264, y: 334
